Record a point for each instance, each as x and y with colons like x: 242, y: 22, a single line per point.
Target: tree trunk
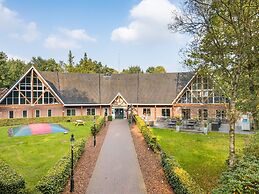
x: 232, y: 122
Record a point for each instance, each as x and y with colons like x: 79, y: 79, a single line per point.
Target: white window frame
x: 48, y: 113
x: 26, y: 114
x: 36, y: 113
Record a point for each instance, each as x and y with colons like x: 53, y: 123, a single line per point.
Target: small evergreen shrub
x: 244, y: 176
x: 10, y: 181
x: 177, y: 177
x: 56, y: 178
x: 110, y: 118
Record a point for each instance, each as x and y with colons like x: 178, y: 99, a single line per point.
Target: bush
x: 150, y: 138
x: 10, y: 181
x: 26, y: 121
x: 244, y: 176
x: 55, y: 179
x: 110, y: 118
x: 178, y: 178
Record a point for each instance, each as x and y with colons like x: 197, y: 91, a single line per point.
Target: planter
x: 205, y: 130
x: 177, y: 128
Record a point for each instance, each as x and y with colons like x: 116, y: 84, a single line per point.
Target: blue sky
x: 117, y: 33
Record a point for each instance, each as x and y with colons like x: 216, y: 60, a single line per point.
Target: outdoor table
x: 79, y: 122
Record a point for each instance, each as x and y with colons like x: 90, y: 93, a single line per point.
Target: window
x: 106, y: 112
x: 24, y: 114
x: 186, y: 113
x: 49, y: 113
x: 90, y: 111
x: 37, y: 113
x: 11, y: 114
x: 221, y: 114
x: 71, y: 112
x: 205, y: 114
x: 165, y: 112
x: 146, y: 111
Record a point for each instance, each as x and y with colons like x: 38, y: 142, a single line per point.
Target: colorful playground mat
x: 36, y: 129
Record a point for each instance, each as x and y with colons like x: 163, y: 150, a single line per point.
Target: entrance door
x: 119, y: 113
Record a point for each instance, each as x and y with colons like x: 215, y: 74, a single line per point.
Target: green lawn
x: 202, y: 156
x: 33, y: 156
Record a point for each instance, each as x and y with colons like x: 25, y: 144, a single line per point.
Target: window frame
x: 166, y: 111
x: 146, y: 111
x: 49, y: 115
x: 37, y: 110
x: 26, y: 113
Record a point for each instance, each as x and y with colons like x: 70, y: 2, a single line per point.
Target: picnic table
x: 79, y: 122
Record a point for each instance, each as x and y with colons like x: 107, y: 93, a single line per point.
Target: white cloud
x: 149, y: 22
x: 12, y: 24
x: 67, y: 39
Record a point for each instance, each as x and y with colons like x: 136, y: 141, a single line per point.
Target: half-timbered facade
x: 46, y: 94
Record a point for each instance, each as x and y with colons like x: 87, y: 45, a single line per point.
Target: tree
x: 157, y: 69
x: 150, y: 69
x: 132, y: 69
x: 224, y: 48
x: 70, y: 66
x: 46, y: 64
x: 87, y: 65
x: 16, y: 68
x: 3, y: 70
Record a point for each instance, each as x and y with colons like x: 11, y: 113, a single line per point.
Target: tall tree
x: 132, y: 69
x: 70, y: 65
x: 3, y: 70
x: 46, y: 64
x: 224, y: 47
x: 157, y: 69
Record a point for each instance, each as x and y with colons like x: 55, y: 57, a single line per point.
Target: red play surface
x: 40, y: 128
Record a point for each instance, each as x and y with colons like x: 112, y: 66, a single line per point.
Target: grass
x: 33, y: 156
x: 202, y: 156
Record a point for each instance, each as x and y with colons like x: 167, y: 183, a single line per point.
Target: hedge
x: 178, y: 178
x: 56, y: 178
x: 110, y: 118
x: 26, y: 121
x: 10, y: 181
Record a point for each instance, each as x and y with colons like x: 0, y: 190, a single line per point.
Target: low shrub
x: 55, y: 179
x: 244, y: 176
x: 178, y: 178
x: 10, y: 181
x: 26, y: 121
x: 110, y: 118
x: 150, y: 138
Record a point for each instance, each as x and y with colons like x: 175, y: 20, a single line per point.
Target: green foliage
x: 25, y: 121
x: 55, y: 179
x: 150, y: 138
x: 10, y: 181
x: 252, y: 149
x: 244, y: 176
x: 46, y: 64
x: 157, y: 69
x: 87, y: 65
x: 132, y: 69
x: 178, y: 178
x: 110, y: 118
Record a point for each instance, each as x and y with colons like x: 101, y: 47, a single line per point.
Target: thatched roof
x: 76, y: 88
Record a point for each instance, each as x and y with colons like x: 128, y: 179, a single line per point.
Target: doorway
x: 119, y: 113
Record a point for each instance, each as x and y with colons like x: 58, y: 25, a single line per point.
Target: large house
x: 46, y: 94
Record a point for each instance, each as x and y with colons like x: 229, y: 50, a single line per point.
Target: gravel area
x: 85, y: 166
x: 150, y: 166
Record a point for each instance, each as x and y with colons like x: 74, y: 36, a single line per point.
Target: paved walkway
x: 117, y: 169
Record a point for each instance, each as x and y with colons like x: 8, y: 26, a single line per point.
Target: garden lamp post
x: 72, y: 141
x: 93, y: 130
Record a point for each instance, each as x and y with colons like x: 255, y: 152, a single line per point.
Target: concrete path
x: 117, y: 169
